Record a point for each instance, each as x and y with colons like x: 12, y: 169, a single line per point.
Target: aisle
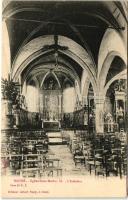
x: 63, y: 153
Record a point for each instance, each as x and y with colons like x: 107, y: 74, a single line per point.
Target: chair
x: 90, y: 161
x: 99, y: 162
x: 31, y: 165
x: 14, y: 148
x: 29, y: 172
x: 15, y: 163
x: 51, y: 167
x: 79, y: 157
x: 51, y: 171
x: 4, y: 165
x: 113, y: 165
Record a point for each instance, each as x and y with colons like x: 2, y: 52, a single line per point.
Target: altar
x: 51, y: 125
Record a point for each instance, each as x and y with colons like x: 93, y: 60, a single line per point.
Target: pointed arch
x: 45, y: 76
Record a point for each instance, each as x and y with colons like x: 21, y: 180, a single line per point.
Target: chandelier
x: 56, y: 47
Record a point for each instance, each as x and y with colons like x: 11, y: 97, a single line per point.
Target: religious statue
x: 120, y: 111
x: 109, y: 121
x: 51, y: 85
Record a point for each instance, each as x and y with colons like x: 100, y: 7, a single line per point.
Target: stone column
x: 60, y: 104
x: 17, y: 118
x: 116, y: 108
x: 6, y: 114
x: 99, y: 115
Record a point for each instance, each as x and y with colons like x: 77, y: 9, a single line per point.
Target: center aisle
x: 67, y: 164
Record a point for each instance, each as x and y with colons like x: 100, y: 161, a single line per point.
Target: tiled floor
x: 63, y: 153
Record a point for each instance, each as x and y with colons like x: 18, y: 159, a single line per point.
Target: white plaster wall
x: 107, y: 105
x: 6, y: 59
x: 32, y: 99
x: 69, y: 100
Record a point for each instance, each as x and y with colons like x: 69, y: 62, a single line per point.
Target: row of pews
x: 26, y: 153
x: 104, y: 155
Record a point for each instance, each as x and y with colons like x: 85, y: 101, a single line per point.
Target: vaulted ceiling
x: 85, y: 22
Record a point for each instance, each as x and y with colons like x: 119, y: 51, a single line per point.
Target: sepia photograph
x: 64, y: 99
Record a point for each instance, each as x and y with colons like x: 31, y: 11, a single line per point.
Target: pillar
x: 6, y: 57
x: 60, y: 105
x: 6, y: 114
x: 17, y: 118
x: 116, y: 108
x: 99, y: 115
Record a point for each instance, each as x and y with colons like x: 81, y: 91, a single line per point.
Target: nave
x: 67, y: 163
x: 64, y: 89
x: 31, y: 154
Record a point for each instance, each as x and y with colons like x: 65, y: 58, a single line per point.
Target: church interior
x: 64, y: 88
